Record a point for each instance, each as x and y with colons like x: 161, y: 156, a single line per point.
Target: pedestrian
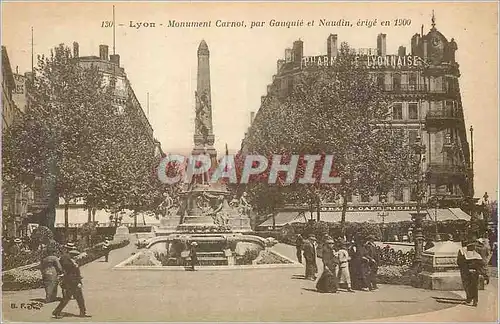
x: 106, y: 249
x: 364, y: 266
x: 51, y: 269
x: 193, y: 255
x: 73, y: 282
x: 298, y: 245
x: 494, y: 253
x: 344, y: 276
x: 474, y: 265
x: 328, y: 282
x: 372, y: 254
x: 354, y: 265
x: 310, y: 257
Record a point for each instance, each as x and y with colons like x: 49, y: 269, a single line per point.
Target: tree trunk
x: 93, y: 214
x: 318, y: 213
x: 66, y: 217
x: 89, y: 214
x: 274, y: 221
x: 344, y: 211
x: 135, y: 222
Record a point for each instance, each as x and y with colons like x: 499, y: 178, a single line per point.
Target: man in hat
x: 106, y: 249
x: 72, y: 281
x: 310, y: 257
x: 474, y: 266
x: 17, y: 247
x: 298, y: 245
x: 373, y: 261
x: 344, y: 276
x: 193, y: 255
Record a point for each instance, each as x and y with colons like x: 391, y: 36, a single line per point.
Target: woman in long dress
x: 50, y: 268
x: 328, y: 282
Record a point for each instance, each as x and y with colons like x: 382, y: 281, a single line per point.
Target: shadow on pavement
x: 298, y: 277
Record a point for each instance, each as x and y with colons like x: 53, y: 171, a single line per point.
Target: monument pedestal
x: 440, y: 269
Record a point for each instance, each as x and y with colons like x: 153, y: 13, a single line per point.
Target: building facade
x: 423, y: 86
x: 15, y: 197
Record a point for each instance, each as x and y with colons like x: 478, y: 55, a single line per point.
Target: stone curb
x: 294, y: 264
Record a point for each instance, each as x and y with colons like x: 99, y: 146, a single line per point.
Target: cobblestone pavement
x: 229, y: 295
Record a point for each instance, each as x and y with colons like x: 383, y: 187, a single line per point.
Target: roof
x: 286, y: 217
x: 7, y: 69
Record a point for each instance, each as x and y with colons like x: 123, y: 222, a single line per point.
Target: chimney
x: 415, y: 40
x: 115, y: 58
x: 103, y: 52
x: 76, y: 50
x: 425, y: 49
x: 280, y: 63
x: 252, y: 116
x: 17, y: 69
x: 298, y: 50
x: 402, y: 51
x: 381, y: 44
x: 332, y: 45
x: 288, y: 55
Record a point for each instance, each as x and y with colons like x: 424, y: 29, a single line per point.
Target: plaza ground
x: 243, y: 295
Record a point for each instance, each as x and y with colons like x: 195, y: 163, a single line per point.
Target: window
x: 413, y: 193
x: 412, y: 78
x: 398, y: 194
x: 349, y: 198
x: 397, y: 111
x: 412, y: 136
x: 413, y: 110
x: 381, y: 81
x: 396, y: 81
x: 365, y: 198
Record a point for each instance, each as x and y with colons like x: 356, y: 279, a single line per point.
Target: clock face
x: 435, y: 41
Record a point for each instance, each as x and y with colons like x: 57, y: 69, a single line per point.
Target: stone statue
x: 202, y: 114
x: 243, y: 206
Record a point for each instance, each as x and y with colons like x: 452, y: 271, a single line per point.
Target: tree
x: 338, y: 111
x: 59, y: 135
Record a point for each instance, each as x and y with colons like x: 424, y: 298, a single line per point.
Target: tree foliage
x: 340, y: 111
x: 77, y: 139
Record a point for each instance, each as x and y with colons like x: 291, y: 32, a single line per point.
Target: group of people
x: 473, y: 259
x: 352, y: 265
x: 65, y: 271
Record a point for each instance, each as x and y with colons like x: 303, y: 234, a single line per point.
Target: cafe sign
x: 371, y: 61
x: 370, y: 208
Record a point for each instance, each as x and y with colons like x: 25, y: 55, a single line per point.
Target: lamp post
x: 418, y: 217
x: 383, y: 214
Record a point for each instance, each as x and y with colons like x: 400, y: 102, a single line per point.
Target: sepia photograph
x: 168, y: 161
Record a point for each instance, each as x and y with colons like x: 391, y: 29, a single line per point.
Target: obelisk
x: 203, y: 135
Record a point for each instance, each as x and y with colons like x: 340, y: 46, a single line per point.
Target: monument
x: 202, y: 213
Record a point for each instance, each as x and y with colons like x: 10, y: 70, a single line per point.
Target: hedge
x: 31, y: 278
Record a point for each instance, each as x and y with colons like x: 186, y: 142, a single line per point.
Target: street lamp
x: 418, y: 217
x: 383, y: 214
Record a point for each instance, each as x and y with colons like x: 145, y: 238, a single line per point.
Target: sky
x: 162, y: 61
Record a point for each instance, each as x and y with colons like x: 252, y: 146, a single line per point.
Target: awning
x: 392, y: 216
x: 78, y: 216
x: 283, y: 218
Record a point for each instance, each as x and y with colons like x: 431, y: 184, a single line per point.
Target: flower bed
x: 395, y: 275
x: 31, y: 278
x: 268, y: 257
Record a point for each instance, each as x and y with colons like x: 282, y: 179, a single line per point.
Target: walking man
x: 72, y: 281
x: 344, y: 275
x: 474, y: 265
x: 298, y: 245
x: 373, y: 262
x: 310, y: 256
x: 193, y: 255
x: 106, y: 249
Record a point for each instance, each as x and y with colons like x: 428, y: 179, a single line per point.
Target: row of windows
x: 449, y: 106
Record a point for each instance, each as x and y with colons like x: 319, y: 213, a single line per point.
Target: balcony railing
x: 446, y: 168
x: 405, y: 87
